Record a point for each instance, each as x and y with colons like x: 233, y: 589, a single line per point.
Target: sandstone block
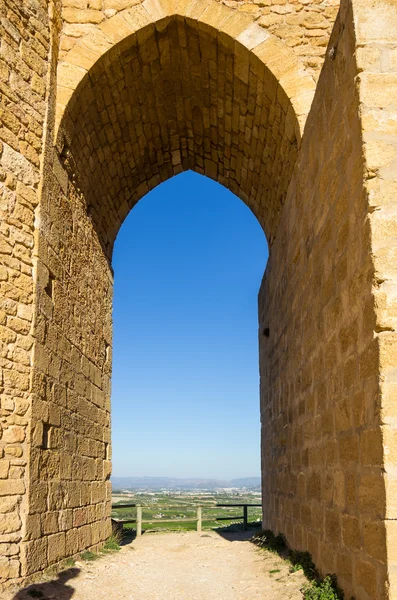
x: 10, y: 523
x: 75, y: 15
x: 13, y: 435
x: 366, y: 577
x: 4, y: 468
x: 378, y: 89
x: 72, y: 545
x: 8, y: 503
x: 9, y: 568
x: 12, y: 487
x: 372, y: 495
x: 33, y: 527
x: 56, y: 547
x: 35, y: 555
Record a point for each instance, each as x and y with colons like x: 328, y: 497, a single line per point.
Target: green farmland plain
x: 163, y: 510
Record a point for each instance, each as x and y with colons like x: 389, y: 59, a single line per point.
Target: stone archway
x: 150, y: 91
x: 176, y: 94
x: 191, y: 94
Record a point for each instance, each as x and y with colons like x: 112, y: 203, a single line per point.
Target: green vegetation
x: 274, y: 543
x: 162, y: 510
x: 317, y: 588
x: 112, y: 544
x: 302, y: 561
x: 88, y: 556
x: 325, y: 589
x: 68, y: 563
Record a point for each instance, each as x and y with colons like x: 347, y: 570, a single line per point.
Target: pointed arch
x: 159, y: 88
x: 228, y: 24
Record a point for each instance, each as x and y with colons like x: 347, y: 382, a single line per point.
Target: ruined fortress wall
x: 376, y: 27
x: 37, y: 459
x: 69, y: 488
x: 80, y: 213
x: 328, y: 367
x: 236, y: 113
x: 322, y: 444
x: 25, y: 46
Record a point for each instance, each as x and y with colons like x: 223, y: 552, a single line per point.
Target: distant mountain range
x: 173, y: 483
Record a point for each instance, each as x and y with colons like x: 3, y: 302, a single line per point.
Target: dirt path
x: 178, y: 566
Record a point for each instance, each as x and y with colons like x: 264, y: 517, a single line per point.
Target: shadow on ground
x: 56, y: 589
x: 236, y: 533
x: 127, y: 536
x: 233, y: 532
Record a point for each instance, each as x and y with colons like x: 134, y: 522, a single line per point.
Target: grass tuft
x: 302, y: 561
x: 274, y: 543
x: 88, y: 555
x: 68, y: 563
x: 318, y: 588
x: 112, y: 544
x: 323, y: 589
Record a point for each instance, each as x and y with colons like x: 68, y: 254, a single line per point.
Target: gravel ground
x: 176, y: 566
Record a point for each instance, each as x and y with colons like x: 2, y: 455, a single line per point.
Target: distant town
x: 193, y: 485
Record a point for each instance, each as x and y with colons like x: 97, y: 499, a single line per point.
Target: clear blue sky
x: 188, y: 263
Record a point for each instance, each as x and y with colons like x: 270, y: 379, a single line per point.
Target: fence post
x: 139, y: 521
x: 245, y: 522
x: 199, y: 519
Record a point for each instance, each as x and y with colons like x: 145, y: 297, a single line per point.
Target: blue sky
x: 188, y: 263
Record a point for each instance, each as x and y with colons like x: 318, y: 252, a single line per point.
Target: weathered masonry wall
x: 25, y: 43
x: 69, y: 491
x: 376, y: 27
x: 91, y: 28
x: 142, y: 92
x: 103, y: 164
x: 304, y: 25
x: 68, y: 499
x: 328, y: 367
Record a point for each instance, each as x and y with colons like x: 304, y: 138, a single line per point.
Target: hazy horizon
x: 193, y: 477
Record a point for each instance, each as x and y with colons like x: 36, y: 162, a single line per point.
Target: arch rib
x: 296, y: 84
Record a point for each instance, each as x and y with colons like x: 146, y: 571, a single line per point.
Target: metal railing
x: 198, y: 517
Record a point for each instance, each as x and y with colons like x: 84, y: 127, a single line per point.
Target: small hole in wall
x: 46, y: 436
x: 106, y: 451
x: 332, y: 52
x: 49, y: 288
x: 266, y: 332
x: 107, y: 352
x: 64, y: 153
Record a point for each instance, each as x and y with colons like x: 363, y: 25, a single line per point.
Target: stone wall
x: 142, y: 92
x: 304, y: 25
x: 123, y: 133
x: 328, y: 425
x: 69, y: 488
x: 376, y: 27
x: 25, y: 43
